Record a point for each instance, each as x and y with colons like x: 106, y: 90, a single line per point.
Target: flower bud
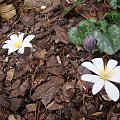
x: 89, y: 43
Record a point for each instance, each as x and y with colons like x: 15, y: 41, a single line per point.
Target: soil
x: 45, y: 84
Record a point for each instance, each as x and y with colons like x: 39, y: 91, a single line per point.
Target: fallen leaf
x: 61, y: 34
x: 47, y: 91
x: 7, y: 12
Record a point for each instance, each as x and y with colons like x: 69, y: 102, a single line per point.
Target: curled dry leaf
x: 7, y: 11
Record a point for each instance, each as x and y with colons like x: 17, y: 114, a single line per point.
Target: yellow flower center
x: 18, y: 44
x: 105, y: 74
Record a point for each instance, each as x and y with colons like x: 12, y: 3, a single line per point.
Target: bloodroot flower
x: 105, y: 75
x: 17, y: 42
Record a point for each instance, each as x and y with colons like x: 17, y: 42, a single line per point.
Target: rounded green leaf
x: 114, y: 36
x: 103, y: 43
x: 87, y: 26
x: 113, y: 3
x: 108, y: 42
x: 75, y: 36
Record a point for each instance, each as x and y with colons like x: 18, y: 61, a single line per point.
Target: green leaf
x: 114, y: 36
x: 102, y: 25
x: 87, y: 26
x: 75, y: 36
x: 113, y: 17
x: 109, y: 42
x: 114, y: 3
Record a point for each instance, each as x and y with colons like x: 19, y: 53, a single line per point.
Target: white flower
x: 17, y: 42
x: 105, y: 74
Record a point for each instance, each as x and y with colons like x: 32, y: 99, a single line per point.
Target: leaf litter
x: 52, y: 91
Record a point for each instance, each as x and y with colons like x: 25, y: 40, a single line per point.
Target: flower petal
x: 90, y: 78
x: 111, y: 64
x: 91, y: 67
x: 98, y: 62
x: 21, y: 35
x: 14, y: 37
x: 115, y: 75
x: 28, y: 39
x: 27, y: 45
x: 7, y: 41
x: 112, y: 91
x: 9, y: 44
x: 21, y: 50
x: 6, y: 46
x: 98, y: 85
x: 10, y: 50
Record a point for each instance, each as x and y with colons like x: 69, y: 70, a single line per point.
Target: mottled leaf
x: 75, y: 36
x: 108, y: 42
x: 113, y: 17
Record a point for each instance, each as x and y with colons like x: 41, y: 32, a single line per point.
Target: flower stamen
x: 105, y: 74
x: 18, y: 44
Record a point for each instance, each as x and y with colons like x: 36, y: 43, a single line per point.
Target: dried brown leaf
x: 7, y: 11
x: 61, y: 34
x: 47, y: 91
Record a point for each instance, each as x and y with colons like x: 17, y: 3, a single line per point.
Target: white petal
x: 7, y: 41
x: 111, y: 64
x: 6, y: 46
x: 21, y: 50
x: 28, y: 39
x: 91, y: 67
x: 98, y: 85
x: 116, y: 75
x: 90, y: 78
x: 27, y: 45
x: 14, y: 37
x: 12, y: 50
x: 98, y: 62
x: 112, y: 91
x: 21, y: 35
